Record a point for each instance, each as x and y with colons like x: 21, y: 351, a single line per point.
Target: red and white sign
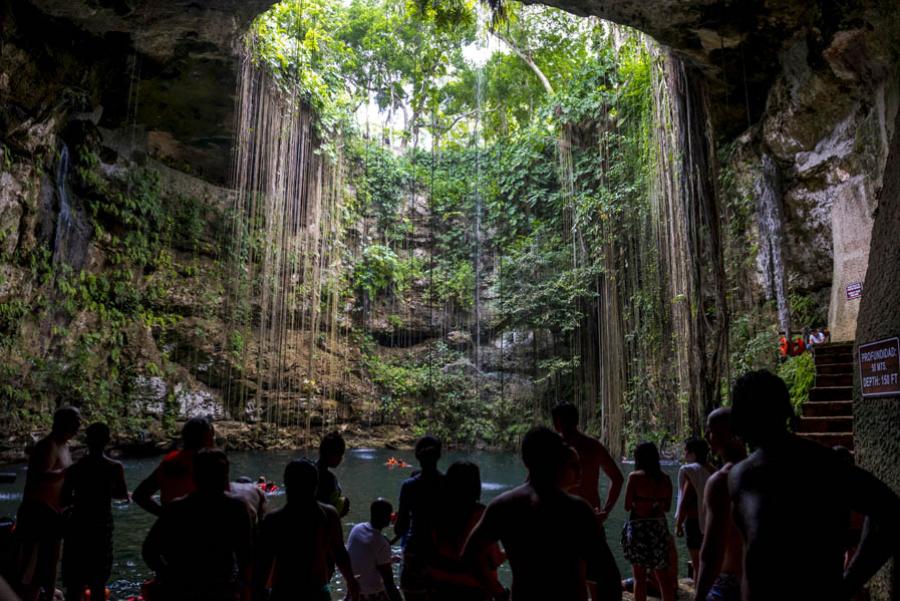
x: 854, y: 290
x: 879, y: 368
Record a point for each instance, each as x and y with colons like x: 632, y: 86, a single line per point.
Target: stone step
x: 831, y: 393
x: 834, y: 348
x: 832, y: 358
x: 834, y: 380
x: 831, y: 439
x: 831, y: 424
x: 835, y: 368
x: 828, y: 408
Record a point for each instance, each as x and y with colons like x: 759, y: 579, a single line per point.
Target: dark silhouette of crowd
x: 777, y: 518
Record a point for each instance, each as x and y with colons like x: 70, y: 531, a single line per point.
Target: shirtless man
x: 544, y: 530
x: 39, y: 527
x: 792, y: 500
x: 301, y: 542
x: 594, y: 457
x: 721, y: 555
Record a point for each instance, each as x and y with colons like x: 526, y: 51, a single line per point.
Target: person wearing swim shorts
x: 39, y: 522
x: 718, y: 577
x: 690, y: 512
x: 646, y: 541
x: 91, y: 485
x: 594, y: 458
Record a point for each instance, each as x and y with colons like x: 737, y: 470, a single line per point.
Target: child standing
x: 370, y: 555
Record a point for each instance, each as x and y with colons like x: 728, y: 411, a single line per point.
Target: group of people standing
x: 766, y: 526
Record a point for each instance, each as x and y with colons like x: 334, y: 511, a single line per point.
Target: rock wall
x: 877, y: 421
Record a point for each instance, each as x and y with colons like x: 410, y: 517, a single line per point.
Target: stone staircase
x: 827, y: 417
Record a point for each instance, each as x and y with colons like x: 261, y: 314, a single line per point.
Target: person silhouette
x: 299, y: 543
x: 420, y: 500
x: 718, y: 575
x: 690, y: 513
x: 453, y: 579
x: 593, y: 458
x: 173, y: 478
x: 200, y: 547
x: 331, y: 454
x: 39, y: 522
x: 90, y: 486
x: 552, y: 539
x: 792, y: 501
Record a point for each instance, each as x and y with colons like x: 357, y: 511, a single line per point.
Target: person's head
x: 97, y: 437
x: 463, y: 482
x: 719, y: 431
x: 66, y: 422
x: 261, y: 480
x: 428, y: 452
x: 646, y: 459
x: 844, y: 454
x: 211, y: 470
x: 380, y: 513
x: 570, y: 480
x: 761, y: 407
x: 696, y: 450
x: 301, y: 478
x: 331, y: 449
x: 565, y: 418
x: 198, y: 433
x: 543, y: 453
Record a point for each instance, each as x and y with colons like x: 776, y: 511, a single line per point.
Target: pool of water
x: 363, y: 476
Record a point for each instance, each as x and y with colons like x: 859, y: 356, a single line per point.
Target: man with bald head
x: 721, y: 555
x: 792, y: 500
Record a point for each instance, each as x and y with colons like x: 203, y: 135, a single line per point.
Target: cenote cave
x: 400, y: 218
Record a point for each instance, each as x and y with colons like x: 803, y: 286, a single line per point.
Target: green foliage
x: 799, y: 373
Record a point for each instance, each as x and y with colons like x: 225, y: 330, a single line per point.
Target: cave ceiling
x: 187, y: 54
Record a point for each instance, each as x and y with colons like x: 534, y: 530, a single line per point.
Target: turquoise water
x: 363, y: 477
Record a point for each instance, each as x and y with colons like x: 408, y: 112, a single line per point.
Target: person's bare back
x: 46, y: 472
x: 721, y: 556
x: 550, y: 539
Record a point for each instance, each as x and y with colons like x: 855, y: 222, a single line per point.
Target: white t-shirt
x: 697, y: 475
x: 368, y: 549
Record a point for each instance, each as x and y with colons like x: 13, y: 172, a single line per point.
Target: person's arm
x: 339, y: 552
x: 401, y: 526
x: 666, y: 504
x: 616, y: 479
x: 67, y: 494
x: 483, y: 537
x: 265, y: 558
x: 119, y: 487
x: 152, y: 549
x: 143, y: 494
x: 881, y: 532
x: 387, y: 576
x: 680, y: 513
x: 712, y: 551
x: 629, y: 493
